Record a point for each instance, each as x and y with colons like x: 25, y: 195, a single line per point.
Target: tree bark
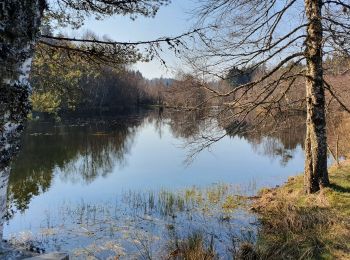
x: 19, y: 27
x: 4, y: 179
x: 316, y: 173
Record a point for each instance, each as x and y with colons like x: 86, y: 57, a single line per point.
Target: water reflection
x: 79, y: 152
x: 95, y: 159
x: 187, y: 125
x: 281, y: 144
x: 83, y: 151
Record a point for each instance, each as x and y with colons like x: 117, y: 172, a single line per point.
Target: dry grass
x: 296, y: 226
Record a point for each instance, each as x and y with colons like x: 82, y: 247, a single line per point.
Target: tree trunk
x: 19, y: 27
x: 316, y: 173
x: 4, y: 179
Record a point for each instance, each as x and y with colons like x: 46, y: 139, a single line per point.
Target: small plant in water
x: 188, y: 224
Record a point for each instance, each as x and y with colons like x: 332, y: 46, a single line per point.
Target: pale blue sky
x: 171, y: 20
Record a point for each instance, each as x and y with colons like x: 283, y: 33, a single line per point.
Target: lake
x: 104, y: 186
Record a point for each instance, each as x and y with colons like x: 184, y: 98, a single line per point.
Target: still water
x: 66, y: 169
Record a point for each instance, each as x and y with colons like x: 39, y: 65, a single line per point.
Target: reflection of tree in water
x: 277, y: 142
x: 81, y: 152
x: 97, y: 154
x: 198, y: 128
x: 273, y: 139
x: 187, y: 124
x: 275, y: 147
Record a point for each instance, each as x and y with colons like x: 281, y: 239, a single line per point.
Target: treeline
x: 64, y: 84
x: 233, y: 91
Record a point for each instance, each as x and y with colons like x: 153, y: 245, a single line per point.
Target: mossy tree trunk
x: 19, y: 27
x: 316, y: 173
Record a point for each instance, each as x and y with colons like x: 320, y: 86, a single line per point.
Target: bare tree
x: 285, y: 42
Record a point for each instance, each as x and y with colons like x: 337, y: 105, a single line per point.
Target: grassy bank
x: 296, y: 226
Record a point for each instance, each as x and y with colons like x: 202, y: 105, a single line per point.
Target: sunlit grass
x: 297, y: 226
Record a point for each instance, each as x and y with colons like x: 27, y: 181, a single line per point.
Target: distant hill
x: 163, y: 81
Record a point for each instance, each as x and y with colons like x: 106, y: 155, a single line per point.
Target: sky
x: 170, y: 20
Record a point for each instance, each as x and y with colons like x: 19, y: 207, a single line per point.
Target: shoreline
x: 290, y: 225
x: 296, y: 226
